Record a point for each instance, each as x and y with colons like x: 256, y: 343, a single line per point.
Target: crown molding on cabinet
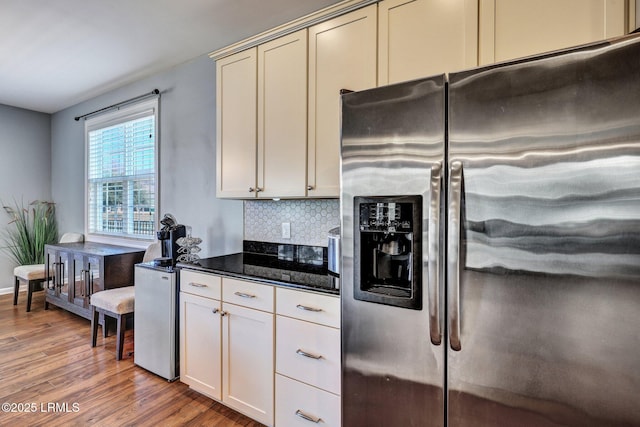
x: 292, y: 26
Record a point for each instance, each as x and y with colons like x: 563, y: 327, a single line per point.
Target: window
x: 121, y: 173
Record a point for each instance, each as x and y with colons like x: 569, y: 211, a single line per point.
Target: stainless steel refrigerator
x: 491, y: 245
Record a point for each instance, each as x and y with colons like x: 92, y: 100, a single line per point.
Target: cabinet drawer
x: 294, y: 400
x: 308, y: 306
x: 247, y: 294
x: 308, y: 352
x: 202, y: 284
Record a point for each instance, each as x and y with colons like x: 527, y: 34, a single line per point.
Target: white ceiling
x: 55, y: 54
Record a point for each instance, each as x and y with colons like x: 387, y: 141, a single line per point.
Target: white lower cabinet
x: 200, y: 343
x: 299, y: 404
x: 227, y: 350
x: 247, y: 360
x: 309, y: 353
x: 270, y: 353
x: 308, y: 374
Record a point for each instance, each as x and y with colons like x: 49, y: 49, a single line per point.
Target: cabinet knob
x: 258, y: 189
x: 251, y: 189
x: 223, y: 313
x: 215, y: 311
x: 309, y: 187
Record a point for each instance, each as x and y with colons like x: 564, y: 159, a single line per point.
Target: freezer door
x: 544, y: 277
x: 392, y: 356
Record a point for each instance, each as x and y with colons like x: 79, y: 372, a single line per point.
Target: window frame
x: 123, y: 114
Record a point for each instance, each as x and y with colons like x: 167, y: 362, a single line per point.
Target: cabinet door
x: 236, y: 124
x: 513, y: 29
x: 247, y: 360
x: 420, y: 38
x: 282, y: 116
x: 200, y: 339
x: 342, y: 55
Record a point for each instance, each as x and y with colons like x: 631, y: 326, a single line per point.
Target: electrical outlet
x: 286, y: 230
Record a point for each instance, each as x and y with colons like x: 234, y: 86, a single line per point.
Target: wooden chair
x: 34, y: 275
x: 118, y: 304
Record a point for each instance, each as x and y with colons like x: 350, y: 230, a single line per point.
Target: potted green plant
x: 29, y: 230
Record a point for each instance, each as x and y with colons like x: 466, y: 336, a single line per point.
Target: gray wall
x: 25, y: 167
x: 187, y: 156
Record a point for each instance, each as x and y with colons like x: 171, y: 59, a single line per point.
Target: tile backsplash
x: 310, y: 220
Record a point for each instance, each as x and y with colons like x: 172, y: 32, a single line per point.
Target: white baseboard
x: 4, y: 291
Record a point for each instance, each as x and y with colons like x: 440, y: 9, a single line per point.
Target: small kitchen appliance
x: 156, y: 320
x: 168, y: 236
x: 333, y: 256
x: 333, y: 251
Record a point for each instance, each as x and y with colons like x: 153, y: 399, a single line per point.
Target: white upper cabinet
x: 278, y: 103
x: 512, y: 29
x: 342, y: 55
x: 236, y: 124
x: 282, y: 116
x: 421, y: 38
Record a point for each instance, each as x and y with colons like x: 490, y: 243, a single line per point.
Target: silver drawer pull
x: 197, y: 285
x: 307, y: 308
x: 309, y: 355
x: 243, y: 295
x: 308, y: 417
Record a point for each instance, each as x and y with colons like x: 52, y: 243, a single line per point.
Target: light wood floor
x: 47, y: 367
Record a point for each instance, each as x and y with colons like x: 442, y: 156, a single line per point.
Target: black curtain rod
x: 153, y: 92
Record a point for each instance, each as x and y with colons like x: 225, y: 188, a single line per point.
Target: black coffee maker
x: 168, y: 236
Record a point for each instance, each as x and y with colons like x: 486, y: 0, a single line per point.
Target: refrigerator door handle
x: 453, y: 254
x: 434, y: 255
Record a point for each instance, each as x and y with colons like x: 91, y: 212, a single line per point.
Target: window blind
x: 121, y: 177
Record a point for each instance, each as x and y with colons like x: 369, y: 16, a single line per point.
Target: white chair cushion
x: 153, y: 251
x: 36, y: 271
x: 72, y: 238
x: 29, y: 272
x: 118, y: 300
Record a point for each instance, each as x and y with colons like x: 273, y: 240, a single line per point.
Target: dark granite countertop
x: 269, y: 269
